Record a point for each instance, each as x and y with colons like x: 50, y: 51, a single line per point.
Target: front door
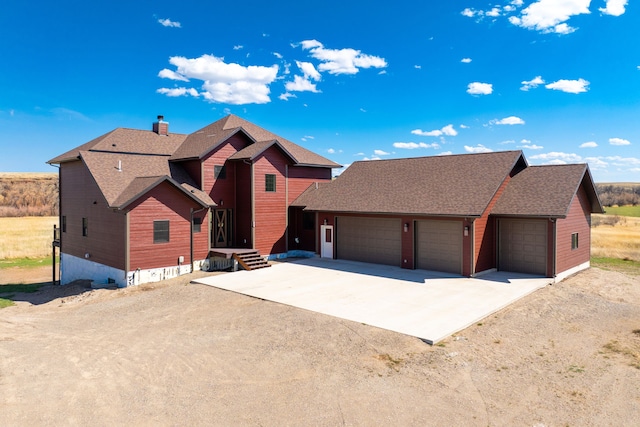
x: 221, y: 228
x: 326, y: 242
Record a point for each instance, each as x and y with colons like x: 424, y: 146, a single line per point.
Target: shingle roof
x: 456, y: 185
x: 130, y: 141
x: 119, y: 186
x: 546, y: 191
x: 200, y: 143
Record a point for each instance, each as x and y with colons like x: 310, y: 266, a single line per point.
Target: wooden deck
x: 228, y: 252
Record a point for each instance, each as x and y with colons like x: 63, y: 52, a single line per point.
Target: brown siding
x: 164, y: 202
x: 194, y: 169
x: 270, y: 207
x: 577, y: 221
x: 485, y: 233
x: 81, y: 198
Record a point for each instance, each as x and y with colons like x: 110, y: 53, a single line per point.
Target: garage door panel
x: 375, y: 240
x: 523, y: 246
x: 439, y: 246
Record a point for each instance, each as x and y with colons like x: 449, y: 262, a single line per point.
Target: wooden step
x: 251, y: 260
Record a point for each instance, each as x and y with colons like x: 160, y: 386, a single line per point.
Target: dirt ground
x: 184, y: 354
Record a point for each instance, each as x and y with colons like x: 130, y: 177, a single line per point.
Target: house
x: 461, y: 214
x: 139, y: 206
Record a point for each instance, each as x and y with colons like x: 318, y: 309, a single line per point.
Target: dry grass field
x: 26, y: 237
x: 620, y: 240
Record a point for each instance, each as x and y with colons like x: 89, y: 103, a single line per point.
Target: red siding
x: 81, y: 198
x: 242, y: 213
x: 577, y: 221
x: 164, y: 202
x: 223, y: 189
x: 270, y: 207
x: 194, y: 169
x: 485, y: 235
x: 301, y: 177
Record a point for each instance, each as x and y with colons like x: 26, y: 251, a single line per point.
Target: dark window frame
x: 197, y: 224
x: 270, y: 182
x: 308, y: 220
x: 575, y: 243
x: 219, y: 172
x: 85, y: 227
x: 161, y: 234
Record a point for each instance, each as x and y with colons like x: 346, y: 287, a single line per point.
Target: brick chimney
x: 161, y: 127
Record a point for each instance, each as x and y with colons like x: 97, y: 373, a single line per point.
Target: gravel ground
x: 176, y: 353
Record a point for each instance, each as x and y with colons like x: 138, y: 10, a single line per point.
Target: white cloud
x: 380, y: 153
x: 285, y: 96
x: 238, y: 47
x: 172, y: 75
x: 477, y: 149
x: 558, y: 156
x: 525, y: 141
x: 569, y: 86
x: 277, y: 55
x: 477, y: 88
x: 614, y: 7
x: 447, y: 130
x: 533, y: 147
x: 341, y: 61
x: 532, y: 84
x: 589, y: 144
x: 414, y: 145
x: 507, y: 142
x: 169, y: 23
x: 331, y: 151
x: 464, y: 127
x: 225, y: 83
x: 466, y: 60
x: 300, y: 84
x: 550, y: 16
x: 511, y: 120
x: 469, y: 13
x: 445, y: 153
x: 494, y: 12
x: 308, y: 70
x: 623, y: 161
x: 618, y: 141
x: 417, y: 67
x: 178, y: 91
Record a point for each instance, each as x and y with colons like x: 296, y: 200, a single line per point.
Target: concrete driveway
x: 425, y: 304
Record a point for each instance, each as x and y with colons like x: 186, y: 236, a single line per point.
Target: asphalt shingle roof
x: 455, y: 185
x: 546, y: 191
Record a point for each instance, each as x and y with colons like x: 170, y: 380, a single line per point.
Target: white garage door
x: 439, y: 246
x: 375, y: 240
x: 523, y: 246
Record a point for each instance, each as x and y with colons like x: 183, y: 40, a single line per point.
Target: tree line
x: 619, y: 194
x: 28, y: 195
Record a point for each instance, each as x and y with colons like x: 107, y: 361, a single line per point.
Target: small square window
x: 197, y: 225
x: 160, y: 231
x: 219, y: 172
x: 308, y: 220
x: 85, y: 227
x: 270, y: 183
x: 64, y: 224
x: 574, y: 241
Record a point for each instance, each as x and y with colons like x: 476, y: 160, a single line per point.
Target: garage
x: 523, y: 246
x: 374, y: 240
x: 439, y: 246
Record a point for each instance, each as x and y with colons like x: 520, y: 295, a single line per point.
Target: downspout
x: 286, y: 208
x: 191, y: 234
x: 555, y: 249
x: 253, y: 207
x: 53, y: 261
x: 127, y: 246
x: 472, y: 230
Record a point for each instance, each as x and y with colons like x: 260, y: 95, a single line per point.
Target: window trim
x: 219, y: 172
x: 161, y: 239
x: 575, y: 242
x: 270, y: 178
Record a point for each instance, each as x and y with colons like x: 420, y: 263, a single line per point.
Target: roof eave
x: 160, y: 180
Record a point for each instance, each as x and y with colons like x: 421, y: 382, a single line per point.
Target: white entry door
x: 326, y: 241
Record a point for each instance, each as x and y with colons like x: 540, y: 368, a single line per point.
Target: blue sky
x: 352, y: 80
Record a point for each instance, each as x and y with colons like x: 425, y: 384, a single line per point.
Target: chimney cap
x: 160, y: 117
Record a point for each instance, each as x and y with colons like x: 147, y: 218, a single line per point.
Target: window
x: 574, y: 241
x: 219, y: 172
x: 308, y: 220
x: 85, y: 227
x: 270, y: 183
x: 64, y: 224
x: 197, y: 225
x: 160, y: 231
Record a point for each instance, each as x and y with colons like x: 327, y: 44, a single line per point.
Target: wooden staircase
x: 251, y: 260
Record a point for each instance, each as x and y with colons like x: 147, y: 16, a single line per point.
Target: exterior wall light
x: 466, y: 230
x: 406, y: 227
